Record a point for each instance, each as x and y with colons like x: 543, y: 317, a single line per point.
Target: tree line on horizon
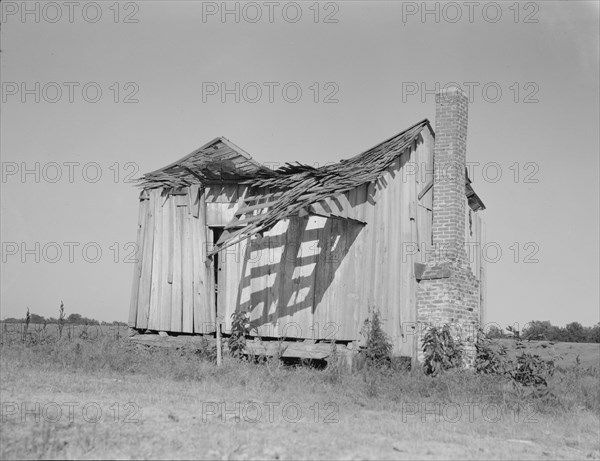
x: 543, y: 330
x: 71, y: 319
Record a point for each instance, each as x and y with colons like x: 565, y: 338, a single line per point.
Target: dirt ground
x: 48, y: 414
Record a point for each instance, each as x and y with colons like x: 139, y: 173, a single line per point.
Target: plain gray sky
x: 366, y: 58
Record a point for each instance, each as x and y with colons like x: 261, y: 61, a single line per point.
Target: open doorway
x: 217, y: 266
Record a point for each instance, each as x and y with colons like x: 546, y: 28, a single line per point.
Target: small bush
x: 441, y: 351
x: 378, y: 347
x: 528, y: 374
x: 240, y: 328
x: 490, y: 358
x: 530, y: 371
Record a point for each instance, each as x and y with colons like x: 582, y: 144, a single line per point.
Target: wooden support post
x: 414, y: 362
x: 219, y: 345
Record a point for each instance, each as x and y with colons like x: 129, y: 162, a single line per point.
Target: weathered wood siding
x: 473, y: 241
x: 422, y: 169
x: 172, y: 289
x: 474, y: 248
x: 313, y: 277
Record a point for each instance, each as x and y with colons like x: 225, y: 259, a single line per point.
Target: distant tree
x: 87, y: 321
x: 74, y: 318
x: 35, y: 318
x: 556, y: 334
x: 13, y: 320
x: 575, y: 332
x: 593, y: 335
x: 495, y: 332
x: 537, y: 329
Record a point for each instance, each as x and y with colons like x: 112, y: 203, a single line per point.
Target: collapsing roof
x: 292, y: 189
x: 218, y: 160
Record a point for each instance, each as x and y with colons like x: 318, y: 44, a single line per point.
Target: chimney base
x: 449, y: 295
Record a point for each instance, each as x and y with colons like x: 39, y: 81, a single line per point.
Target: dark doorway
x: 216, y: 235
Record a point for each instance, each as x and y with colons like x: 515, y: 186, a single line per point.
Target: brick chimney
x: 448, y: 292
x: 449, y: 158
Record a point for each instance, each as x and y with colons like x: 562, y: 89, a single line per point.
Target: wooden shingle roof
x: 218, y: 160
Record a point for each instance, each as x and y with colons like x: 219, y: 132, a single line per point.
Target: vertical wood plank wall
x: 314, y: 277
x: 137, y: 269
x: 423, y: 176
x: 172, y: 288
x: 473, y: 241
x: 474, y: 246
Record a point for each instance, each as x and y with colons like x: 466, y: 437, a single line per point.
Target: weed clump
x: 378, y: 347
x: 490, y: 358
x: 240, y: 328
x: 529, y: 373
x: 442, y: 351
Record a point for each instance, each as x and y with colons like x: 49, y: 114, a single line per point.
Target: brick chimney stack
x: 450, y: 157
x: 448, y: 292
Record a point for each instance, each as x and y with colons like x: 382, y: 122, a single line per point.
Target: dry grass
x: 165, y: 403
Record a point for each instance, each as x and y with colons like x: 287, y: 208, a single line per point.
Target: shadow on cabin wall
x: 289, y: 269
x: 285, y: 274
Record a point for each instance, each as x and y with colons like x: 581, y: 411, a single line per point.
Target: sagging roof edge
x: 475, y: 201
x: 222, y: 139
x: 424, y: 122
x: 245, y: 154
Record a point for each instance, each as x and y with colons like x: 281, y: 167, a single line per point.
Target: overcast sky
x: 365, y: 71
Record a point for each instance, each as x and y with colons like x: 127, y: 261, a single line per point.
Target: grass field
x: 105, y: 397
x: 565, y: 354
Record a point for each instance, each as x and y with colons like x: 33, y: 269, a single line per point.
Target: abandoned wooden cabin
x: 307, y: 251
